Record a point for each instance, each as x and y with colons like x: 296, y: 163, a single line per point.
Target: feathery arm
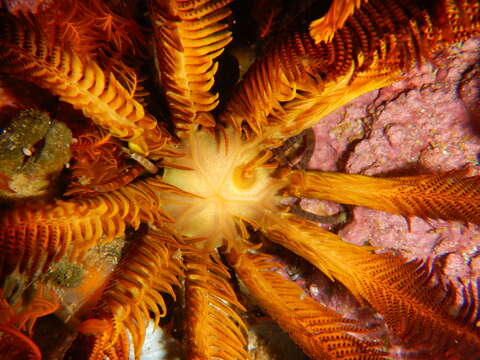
x: 189, y: 36
x: 81, y: 82
x: 401, y: 291
x: 321, y: 332
x: 35, y: 235
x: 450, y: 196
x: 215, y: 330
x: 298, y: 82
x: 324, y: 29
x: 147, y: 269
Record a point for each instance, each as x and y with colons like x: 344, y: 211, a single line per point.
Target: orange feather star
x: 185, y: 232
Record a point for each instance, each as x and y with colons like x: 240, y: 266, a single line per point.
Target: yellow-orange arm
x: 80, y: 81
x: 14, y: 320
x: 450, y: 196
x: 133, y: 291
x: 15, y: 341
x: 298, y: 82
x: 214, y: 328
x: 417, y: 311
x: 189, y: 36
x: 320, y: 332
x: 324, y: 28
x: 36, y: 234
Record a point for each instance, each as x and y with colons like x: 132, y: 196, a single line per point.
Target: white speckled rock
x: 158, y: 345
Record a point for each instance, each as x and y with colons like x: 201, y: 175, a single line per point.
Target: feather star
x: 189, y: 208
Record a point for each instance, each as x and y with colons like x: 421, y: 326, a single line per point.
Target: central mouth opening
x: 227, y: 183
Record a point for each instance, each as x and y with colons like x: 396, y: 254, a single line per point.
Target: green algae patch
x: 33, y: 151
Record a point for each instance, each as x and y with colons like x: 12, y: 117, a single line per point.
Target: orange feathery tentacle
x: 35, y: 235
x: 450, y: 196
x: 81, y: 82
x: 148, y: 268
x: 44, y: 301
x: 189, y: 36
x: 92, y: 27
x: 120, y: 180
x: 15, y: 345
x: 321, y: 248
x: 215, y: 330
x: 401, y: 291
x: 101, y: 164
x: 115, y: 28
x: 298, y: 82
x: 321, y: 332
x: 264, y: 13
x: 324, y: 29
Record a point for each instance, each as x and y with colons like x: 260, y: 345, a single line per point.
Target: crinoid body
x: 175, y: 204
